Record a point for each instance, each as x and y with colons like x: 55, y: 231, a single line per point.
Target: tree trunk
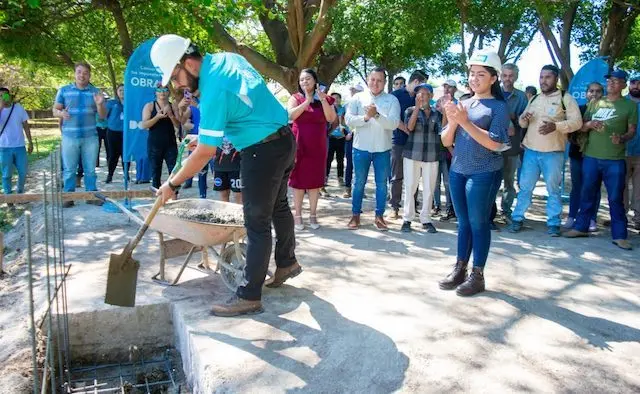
x: 562, y: 50
x: 616, y: 30
x: 112, y: 73
x: 114, y: 7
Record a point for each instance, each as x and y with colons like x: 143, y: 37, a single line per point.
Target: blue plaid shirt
x: 80, y: 105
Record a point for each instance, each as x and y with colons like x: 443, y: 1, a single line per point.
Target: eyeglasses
x: 162, y: 90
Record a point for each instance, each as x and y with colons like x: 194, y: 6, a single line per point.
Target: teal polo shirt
x: 235, y: 103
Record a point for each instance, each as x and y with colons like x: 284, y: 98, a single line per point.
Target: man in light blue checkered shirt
x: 77, y: 104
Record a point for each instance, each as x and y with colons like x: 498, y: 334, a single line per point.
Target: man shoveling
x: 235, y: 103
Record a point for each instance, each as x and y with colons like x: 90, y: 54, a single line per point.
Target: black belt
x: 281, y: 132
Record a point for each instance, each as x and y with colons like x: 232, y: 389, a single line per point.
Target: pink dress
x: 310, y: 130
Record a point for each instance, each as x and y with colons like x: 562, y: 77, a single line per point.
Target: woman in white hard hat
x: 477, y: 129
x: 235, y: 103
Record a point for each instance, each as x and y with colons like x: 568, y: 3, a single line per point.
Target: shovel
x: 122, y: 278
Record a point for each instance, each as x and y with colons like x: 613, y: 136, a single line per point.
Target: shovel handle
x: 143, y: 229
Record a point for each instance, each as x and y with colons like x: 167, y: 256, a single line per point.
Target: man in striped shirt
x: 77, y: 104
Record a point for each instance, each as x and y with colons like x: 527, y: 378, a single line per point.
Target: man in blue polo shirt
x: 76, y: 104
x: 407, y: 98
x: 235, y: 103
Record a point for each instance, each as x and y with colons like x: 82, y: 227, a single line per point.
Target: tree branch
x: 330, y: 66
x: 313, y: 41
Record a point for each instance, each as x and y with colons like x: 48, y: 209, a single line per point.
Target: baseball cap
x: 423, y: 86
x: 618, y: 73
x: 635, y: 76
x: 450, y: 82
x: 358, y: 87
x: 486, y: 58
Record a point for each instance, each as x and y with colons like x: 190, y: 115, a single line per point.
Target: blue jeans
x: 72, y: 150
x: 202, y: 179
x: 9, y: 158
x: 443, y: 177
x: 348, y: 171
x: 576, y: 190
x: 613, y: 173
x: 473, y: 196
x: 550, y: 165
x: 381, y: 169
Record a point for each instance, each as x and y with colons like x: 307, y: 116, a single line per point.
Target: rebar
x: 50, y: 362
x: 27, y: 219
x: 55, y: 245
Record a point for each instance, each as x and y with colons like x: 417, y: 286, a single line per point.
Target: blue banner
x: 140, y: 80
x: 593, y: 71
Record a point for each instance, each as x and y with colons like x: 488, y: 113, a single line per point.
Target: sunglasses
x: 162, y: 90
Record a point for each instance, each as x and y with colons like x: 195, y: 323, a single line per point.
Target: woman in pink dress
x: 310, y: 109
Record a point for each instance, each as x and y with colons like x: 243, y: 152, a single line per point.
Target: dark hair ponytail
x: 496, y: 90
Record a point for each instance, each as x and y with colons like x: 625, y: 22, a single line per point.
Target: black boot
x: 473, y: 285
x: 456, y: 277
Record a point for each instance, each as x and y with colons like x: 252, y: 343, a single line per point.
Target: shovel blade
x: 122, y: 280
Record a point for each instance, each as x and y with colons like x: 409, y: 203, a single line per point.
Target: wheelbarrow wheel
x: 232, y: 271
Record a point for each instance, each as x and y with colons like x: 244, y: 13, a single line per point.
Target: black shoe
x: 67, y: 204
x: 109, y: 179
x: 447, y: 216
x: 456, y: 277
x: 473, y: 285
x: 406, y: 227
x: 494, y: 227
x: 429, y: 227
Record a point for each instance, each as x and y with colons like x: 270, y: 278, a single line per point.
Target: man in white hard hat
x: 235, y: 103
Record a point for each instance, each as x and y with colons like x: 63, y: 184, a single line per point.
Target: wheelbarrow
x: 193, y: 235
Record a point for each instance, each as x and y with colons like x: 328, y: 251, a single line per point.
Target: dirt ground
x: 100, y: 227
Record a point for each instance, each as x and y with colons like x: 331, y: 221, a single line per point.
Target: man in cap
x: 235, y: 103
x: 632, y: 198
x: 611, y: 123
x: 407, y: 98
x: 549, y: 117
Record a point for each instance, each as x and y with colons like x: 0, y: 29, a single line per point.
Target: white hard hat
x: 166, y: 52
x: 489, y: 59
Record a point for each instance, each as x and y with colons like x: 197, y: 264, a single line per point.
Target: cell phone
x: 188, y: 95
x: 323, y: 88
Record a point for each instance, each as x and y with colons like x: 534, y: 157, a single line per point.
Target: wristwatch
x: 172, y: 186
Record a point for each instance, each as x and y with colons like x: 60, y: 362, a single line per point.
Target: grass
x: 45, y: 145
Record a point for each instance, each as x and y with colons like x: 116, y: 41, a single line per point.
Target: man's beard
x: 193, y: 82
x: 635, y: 93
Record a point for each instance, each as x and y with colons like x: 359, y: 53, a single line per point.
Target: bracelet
x: 172, y: 186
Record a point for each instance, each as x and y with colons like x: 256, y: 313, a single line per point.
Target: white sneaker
x: 569, y: 222
x: 593, y: 226
x: 298, y: 227
x: 313, y: 223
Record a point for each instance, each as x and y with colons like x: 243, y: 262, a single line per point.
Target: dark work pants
x: 114, y: 149
x: 336, y: 148
x: 348, y: 152
x: 159, y: 151
x: 102, y: 137
x: 397, y: 175
x: 265, y: 172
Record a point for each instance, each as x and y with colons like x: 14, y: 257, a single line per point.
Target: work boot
x: 456, y: 277
x: 381, y: 224
x: 515, y: 226
x: 236, y: 306
x: 347, y: 193
x: 473, y: 285
x: 282, y: 274
x: 622, y: 244
x: 406, y: 227
x: 67, y: 204
x: 573, y: 233
x: 354, y: 223
x: 429, y: 227
x: 109, y: 179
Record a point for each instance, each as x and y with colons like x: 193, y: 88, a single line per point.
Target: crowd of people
x: 467, y: 144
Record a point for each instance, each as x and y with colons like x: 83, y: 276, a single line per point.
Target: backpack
x: 562, y: 94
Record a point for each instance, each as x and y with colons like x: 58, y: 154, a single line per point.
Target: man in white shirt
x: 13, y: 120
x: 372, y: 115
